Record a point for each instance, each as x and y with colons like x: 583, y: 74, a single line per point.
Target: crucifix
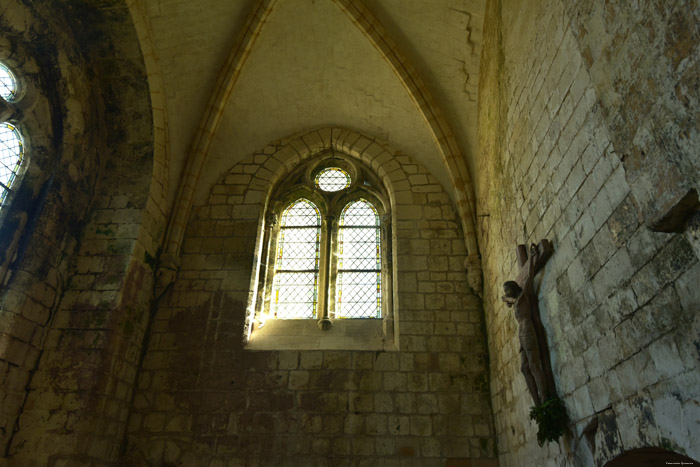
x: 521, y: 295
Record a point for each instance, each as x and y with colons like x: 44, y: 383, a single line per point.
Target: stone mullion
x: 325, y: 277
x: 333, y: 273
x: 386, y: 276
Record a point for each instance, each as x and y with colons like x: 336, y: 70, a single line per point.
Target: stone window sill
x: 305, y: 334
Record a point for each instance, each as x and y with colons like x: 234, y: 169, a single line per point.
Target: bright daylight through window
x: 358, y: 290
x: 10, y: 157
x: 295, y: 286
x: 332, y: 179
x: 315, y: 255
x: 11, y: 147
x: 8, y: 84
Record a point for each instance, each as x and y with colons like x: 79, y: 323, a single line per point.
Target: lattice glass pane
x: 359, y: 248
x: 358, y: 285
x: 296, y: 269
x: 359, y: 213
x: 359, y: 295
x: 298, y: 248
x: 11, y: 152
x: 8, y: 85
x: 301, y: 213
x: 294, y: 294
x: 332, y: 179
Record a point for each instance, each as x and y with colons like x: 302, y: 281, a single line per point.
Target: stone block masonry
x: 74, y: 301
x: 615, y: 299
x: 203, y: 399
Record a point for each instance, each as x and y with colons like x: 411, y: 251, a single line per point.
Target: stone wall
x: 38, y: 231
x: 202, y: 398
x: 645, y: 66
x: 76, y: 297
x: 617, y: 299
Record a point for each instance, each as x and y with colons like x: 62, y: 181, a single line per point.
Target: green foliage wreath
x: 551, y: 419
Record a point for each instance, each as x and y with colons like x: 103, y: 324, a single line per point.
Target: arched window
x: 11, y: 155
x: 358, y: 289
x: 352, y: 264
x: 326, y: 261
x: 295, y: 286
x: 11, y: 145
x: 8, y: 83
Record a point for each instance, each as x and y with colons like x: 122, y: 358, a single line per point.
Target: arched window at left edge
x: 11, y: 158
x: 11, y: 141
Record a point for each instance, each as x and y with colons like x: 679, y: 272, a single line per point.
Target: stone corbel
x: 166, y: 272
x: 472, y: 264
x: 271, y: 221
x: 6, y: 111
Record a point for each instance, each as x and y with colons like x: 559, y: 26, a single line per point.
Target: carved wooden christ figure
x: 520, y: 294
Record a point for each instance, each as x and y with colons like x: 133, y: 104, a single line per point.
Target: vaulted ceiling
x: 311, y: 66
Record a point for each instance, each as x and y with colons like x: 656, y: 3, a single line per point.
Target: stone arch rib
x: 440, y: 129
x: 367, y: 23
x: 285, y: 155
x: 161, y: 148
x: 209, y: 123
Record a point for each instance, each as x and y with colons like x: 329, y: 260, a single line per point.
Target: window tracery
x: 327, y: 259
x: 332, y: 179
x: 8, y: 83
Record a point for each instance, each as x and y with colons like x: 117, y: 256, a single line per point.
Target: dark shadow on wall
x: 650, y: 457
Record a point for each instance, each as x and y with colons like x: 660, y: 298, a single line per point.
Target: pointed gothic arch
x: 452, y: 156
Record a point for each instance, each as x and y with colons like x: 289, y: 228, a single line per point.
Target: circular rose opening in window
x: 8, y: 84
x: 332, y: 179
